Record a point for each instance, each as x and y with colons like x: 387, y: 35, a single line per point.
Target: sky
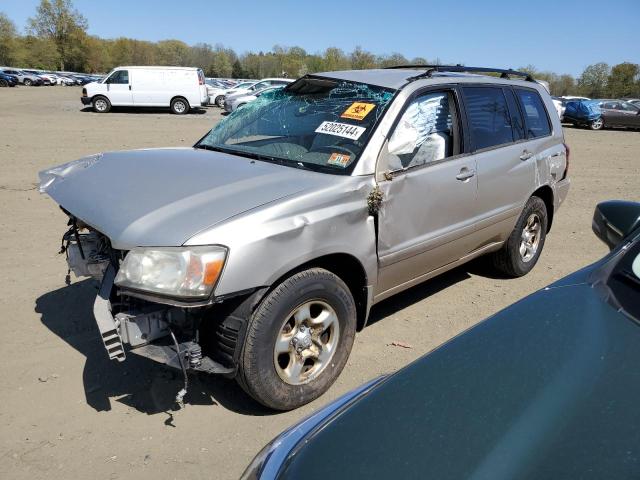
x: 563, y: 36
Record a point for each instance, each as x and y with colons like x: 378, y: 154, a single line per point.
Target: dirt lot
x: 67, y: 412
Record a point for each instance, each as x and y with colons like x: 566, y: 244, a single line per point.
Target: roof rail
x: 429, y: 69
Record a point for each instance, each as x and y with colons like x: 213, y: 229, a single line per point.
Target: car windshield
x: 317, y: 123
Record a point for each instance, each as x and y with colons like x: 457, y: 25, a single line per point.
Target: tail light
x: 566, y: 168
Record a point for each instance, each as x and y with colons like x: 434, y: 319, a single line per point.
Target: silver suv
x: 258, y: 253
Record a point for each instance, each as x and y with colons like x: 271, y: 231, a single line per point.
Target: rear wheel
x: 597, y: 124
x: 522, y: 249
x: 28, y: 82
x: 179, y: 106
x: 298, y: 340
x: 101, y: 105
x: 3, y: 83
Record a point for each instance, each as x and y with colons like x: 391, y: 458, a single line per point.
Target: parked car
x: 584, y: 113
x: 258, y: 86
x: 179, y: 88
x: 8, y: 80
x: 560, y: 108
x: 232, y: 102
x: 24, y: 78
x: 46, y: 80
x: 217, y: 96
x: 618, y: 113
x: 216, y: 91
x: 546, y: 388
x: 258, y: 252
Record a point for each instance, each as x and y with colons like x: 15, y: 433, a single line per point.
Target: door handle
x: 465, y: 174
x: 129, y: 87
x: 526, y: 155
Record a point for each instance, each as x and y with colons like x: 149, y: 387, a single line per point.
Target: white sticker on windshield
x: 344, y: 130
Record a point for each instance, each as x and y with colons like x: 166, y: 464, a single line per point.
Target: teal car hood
x: 529, y: 393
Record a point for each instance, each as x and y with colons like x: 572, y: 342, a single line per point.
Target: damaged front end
x: 191, y: 333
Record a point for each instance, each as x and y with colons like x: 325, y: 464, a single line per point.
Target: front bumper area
x: 148, y: 332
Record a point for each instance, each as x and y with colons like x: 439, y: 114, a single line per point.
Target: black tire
x: 257, y: 373
x: 597, y: 124
x: 219, y: 101
x: 28, y: 82
x: 101, y: 104
x: 509, y: 260
x: 3, y: 83
x: 179, y: 106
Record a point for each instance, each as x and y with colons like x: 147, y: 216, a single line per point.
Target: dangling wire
x: 183, y: 391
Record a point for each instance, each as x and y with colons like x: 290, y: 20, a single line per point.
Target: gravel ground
x: 67, y: 412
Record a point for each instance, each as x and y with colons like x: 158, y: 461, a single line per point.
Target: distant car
x: 546, y: 388
x: 618, y: 113
x: 179, y: 88
x: 23, y: 77
x: 8, y: 80
x: 46, y: 79
x: 258, y: 86
x: 232, y: 102
x: 216, y: 90
x: 559, y: 106
x: 584, y: 113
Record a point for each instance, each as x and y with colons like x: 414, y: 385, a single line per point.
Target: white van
x: 179, y: 88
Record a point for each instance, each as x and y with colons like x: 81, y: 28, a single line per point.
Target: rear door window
x: 535, y: 114
x: 488, y: 117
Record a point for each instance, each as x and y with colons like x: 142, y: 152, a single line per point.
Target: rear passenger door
x: 503, y: 157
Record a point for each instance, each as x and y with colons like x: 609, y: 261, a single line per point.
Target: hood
x: 544, y: 389
x: 162, y: 197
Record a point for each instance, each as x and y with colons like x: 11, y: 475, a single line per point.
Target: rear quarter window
x: 535, y: 113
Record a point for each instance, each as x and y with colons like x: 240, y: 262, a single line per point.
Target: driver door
x: 429, y: 194
x: 119, y: 88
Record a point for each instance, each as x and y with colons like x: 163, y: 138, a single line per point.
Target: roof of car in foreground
x: 397, y: 78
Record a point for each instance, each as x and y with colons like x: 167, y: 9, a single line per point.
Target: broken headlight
x: 178, y: 272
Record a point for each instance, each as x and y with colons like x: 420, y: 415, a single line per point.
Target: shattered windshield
x: 316, y: 123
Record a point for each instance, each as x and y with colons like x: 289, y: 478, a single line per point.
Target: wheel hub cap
x: 530, y: 239
x: 306, y: 343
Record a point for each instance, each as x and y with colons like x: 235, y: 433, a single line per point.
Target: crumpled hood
x: 162, y: 197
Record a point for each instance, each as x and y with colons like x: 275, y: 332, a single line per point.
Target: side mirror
x: 403, y: 140
x: 614, y: 220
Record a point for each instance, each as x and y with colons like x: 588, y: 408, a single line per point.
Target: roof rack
x: 461, y: 68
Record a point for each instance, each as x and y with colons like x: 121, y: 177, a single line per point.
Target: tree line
x: 56, y: 38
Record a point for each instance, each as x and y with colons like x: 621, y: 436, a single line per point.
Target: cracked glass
x: 315, y: 123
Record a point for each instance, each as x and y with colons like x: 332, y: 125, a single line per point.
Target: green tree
x: 623, y: 80
x: 59, y: 22
x: 593, y: 81
x: 361, y: 59
x: 8, y: 37
x: 335, y: 59
x: 37, y: 52
x: 172, y: 53
x: 237, y: 71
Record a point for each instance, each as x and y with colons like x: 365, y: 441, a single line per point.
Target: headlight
x: 180, y: 272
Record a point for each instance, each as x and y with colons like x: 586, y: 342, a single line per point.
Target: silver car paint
x: 275, y: 218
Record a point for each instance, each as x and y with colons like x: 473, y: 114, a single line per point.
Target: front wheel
x: 28, y: 82
x: 597, y: 124
x: 101, y: 105
x: 179, y: 106
x: 219, y: 101
x: 298, y: 340
x: 3, y: 83
x: 522, y: 249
